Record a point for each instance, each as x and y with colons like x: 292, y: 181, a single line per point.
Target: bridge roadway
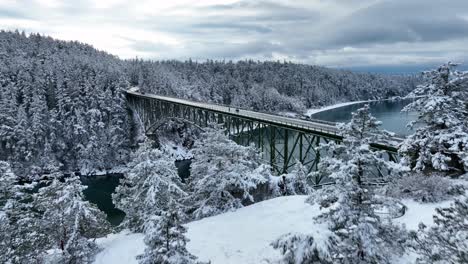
x: 312, y: 126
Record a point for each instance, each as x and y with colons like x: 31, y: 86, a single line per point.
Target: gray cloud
x: 400, y: 21
x: 239, y: 27
x: 334, y: 33
x: 8, y: 13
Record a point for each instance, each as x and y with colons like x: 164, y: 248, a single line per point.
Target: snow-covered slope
x: 121, y: 248
x: 244, y: 236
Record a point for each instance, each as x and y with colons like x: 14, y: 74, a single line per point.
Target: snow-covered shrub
x: 147, y: 187
x: 301, y: 249
x: 441, y: 141
x: 224, y: 175
x: 422, y: 188
x: 447, y: 240
x: 296, y: 182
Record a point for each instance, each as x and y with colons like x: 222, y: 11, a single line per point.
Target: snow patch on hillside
x: 121, y: 248
x: 244, y: 236
x: 419, y: 212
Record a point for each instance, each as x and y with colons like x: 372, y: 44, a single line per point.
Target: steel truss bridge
x: 283, y: 141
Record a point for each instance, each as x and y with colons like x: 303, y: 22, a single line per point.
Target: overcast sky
x: 358, y: 34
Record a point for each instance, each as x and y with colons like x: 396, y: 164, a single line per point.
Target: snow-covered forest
x: 265, y: 86
x: 62, y: 110
x: 61, y: 103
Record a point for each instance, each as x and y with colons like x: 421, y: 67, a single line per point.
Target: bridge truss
x: 282, y: 144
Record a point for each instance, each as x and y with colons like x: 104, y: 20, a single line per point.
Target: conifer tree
x: 148, y: 186
x: 447, y: 240
x: 441, y: 140
x: 69, y: 220
x: 165, y: 238
x: 358, y: 234
x: 22, y: 239
x: 223, y: 174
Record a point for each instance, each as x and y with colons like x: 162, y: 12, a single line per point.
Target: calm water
x: 99, y: 191
x: 389, y: 112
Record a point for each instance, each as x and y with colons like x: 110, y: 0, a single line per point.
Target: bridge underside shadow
x: 282, y: 146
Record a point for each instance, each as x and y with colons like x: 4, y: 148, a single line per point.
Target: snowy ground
x: 244, y: 236
x: 121, y: 248
x: 418, y: 212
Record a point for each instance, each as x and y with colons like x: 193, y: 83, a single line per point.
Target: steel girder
x: 281, y: 147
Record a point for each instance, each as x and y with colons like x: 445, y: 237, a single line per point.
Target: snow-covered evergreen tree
x: 441, y: 141
x: 70, y: 221
x: 447, y: 240
x: 21, y: 238
x: 148, y: 186
x: 223, y: 174
x: 358, y: 235
x: 165, y: 238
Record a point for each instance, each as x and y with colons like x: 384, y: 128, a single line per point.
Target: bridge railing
x: 219, y: 107
x: 271, y: 120
x: 315, y: 125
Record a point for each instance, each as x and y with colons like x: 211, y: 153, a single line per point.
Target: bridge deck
x: 323, y: 128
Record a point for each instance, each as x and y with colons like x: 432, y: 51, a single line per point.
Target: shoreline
x: 311, y: 111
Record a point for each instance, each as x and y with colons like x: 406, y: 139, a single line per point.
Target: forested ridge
x: 265, y: 86
x: 62, y: 103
